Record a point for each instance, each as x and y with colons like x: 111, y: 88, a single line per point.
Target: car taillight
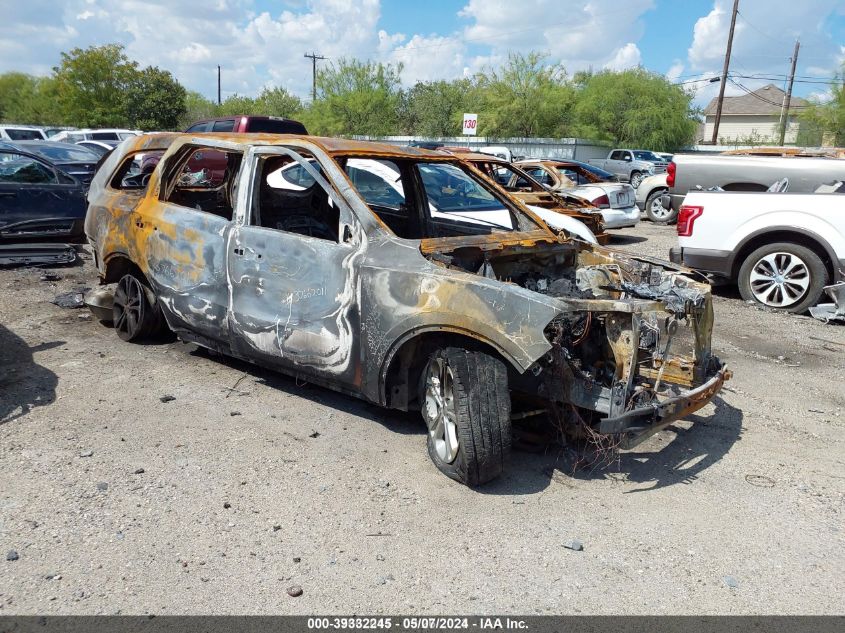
x: 686, y: 219
x: 602, y: 202
x: 670, y: 174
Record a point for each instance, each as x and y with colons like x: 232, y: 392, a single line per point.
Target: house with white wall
x: 756, y: 115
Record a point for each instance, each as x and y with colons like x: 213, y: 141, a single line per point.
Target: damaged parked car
x: 473, y: 315
x: 38, y: 200
x: 615, y: 199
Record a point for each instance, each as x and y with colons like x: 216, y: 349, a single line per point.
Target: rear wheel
x: 655, y: 210
x: 783, y: 276
x: 466, y: 406
x: 134, y: 316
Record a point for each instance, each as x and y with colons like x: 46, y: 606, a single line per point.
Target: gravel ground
x: 247, y: 483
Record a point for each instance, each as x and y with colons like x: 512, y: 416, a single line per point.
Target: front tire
x: 466, y: 406
x: 135, y: 318
x: 655, y: 211
x: 636, y: 179
x: 783, y: 276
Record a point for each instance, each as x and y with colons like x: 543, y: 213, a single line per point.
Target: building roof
x: 763, y: 101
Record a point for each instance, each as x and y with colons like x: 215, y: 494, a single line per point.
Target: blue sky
x: 261, y: 43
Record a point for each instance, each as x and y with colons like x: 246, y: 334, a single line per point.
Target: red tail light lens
x: 686, y: 219
x: 670, y: 174
x: 602, y: 202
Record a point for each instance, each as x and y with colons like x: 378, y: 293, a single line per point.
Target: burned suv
x: 402, y: 276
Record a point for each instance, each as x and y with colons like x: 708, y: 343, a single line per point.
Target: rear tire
x: 135, y: 318
x: 655, y: 211
x: 466, y: 405
x: 783, y: 276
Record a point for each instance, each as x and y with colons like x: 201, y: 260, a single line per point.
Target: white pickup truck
x: 780, y: 248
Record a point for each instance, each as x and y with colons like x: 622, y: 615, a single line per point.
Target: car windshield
x: 647, y: 156
x: 453, y: 196
x: 454, y: 193
x: 63, y: 153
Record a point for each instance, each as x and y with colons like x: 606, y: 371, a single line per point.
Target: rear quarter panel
x: 730, y: 218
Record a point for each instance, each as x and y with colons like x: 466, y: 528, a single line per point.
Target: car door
x: 184, y: 236
x: 293, y: 265
x: 37, y: 200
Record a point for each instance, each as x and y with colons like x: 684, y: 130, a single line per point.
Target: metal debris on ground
x: 835, y: 311
x: 167, y: 398
x: 575, y: 545
x: 50, y: 277
x: 72, y: 299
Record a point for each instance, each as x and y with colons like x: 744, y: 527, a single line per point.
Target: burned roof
x: 332, y: 146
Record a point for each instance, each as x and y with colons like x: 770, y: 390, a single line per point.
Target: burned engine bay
x: 632, y: 334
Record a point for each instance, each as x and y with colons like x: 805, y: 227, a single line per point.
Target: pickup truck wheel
x: 636, y: 179
x: 783, y: 276
x: 655, y: 210
x: 466, y: 407
x: 134, y: 317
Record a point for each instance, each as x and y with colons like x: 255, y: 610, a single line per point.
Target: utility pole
x: 724, y: 75
x: 218, y: 85
x: 314, y: 57
x: 785, y: 110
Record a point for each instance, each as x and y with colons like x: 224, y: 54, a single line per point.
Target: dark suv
x: 250, y: 124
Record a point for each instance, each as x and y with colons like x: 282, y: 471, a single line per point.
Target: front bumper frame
x: 639, y: 424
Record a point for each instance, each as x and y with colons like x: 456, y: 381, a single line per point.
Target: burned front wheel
x: 466, y: 406
x: 134, y: 317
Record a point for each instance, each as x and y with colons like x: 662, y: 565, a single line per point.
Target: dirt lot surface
x: 247, y: 483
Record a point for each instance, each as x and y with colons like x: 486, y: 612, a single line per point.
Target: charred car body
x: 450, y: 297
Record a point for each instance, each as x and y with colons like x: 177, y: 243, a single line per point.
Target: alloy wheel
x: 439, y: 410
x: 128, y: 307
x: 779, y: 279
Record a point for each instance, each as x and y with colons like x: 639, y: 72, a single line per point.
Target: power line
x: 759, y: 97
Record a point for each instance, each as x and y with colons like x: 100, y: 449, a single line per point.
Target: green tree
x: 92, y: 85
x: 238, y: 104
x: 278, y: 102
x: 435, y: 108
x: 635, y: 108
x: 155, y: 100
x: 197, y: 108
x: 524, y: 98
x: 28, y: 99
x: 356, y: 97
x: 821, y: 122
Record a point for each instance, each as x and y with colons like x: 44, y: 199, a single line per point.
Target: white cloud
x: 580, y: 35
x: 627, y: 56
x: 675, y: 71
x: 765, y: 34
